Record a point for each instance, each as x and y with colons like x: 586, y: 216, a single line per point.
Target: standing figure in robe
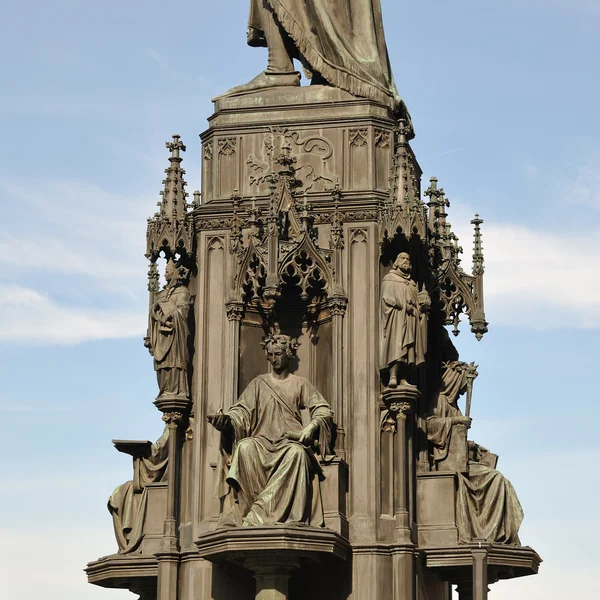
x: 270, y: 472
x: 404, y: 314
x: 487, y: 506
x: 169, y: 332
x: 339, y: 42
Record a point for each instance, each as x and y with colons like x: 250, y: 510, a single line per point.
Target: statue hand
x: 307, y: 435
x: 463, y: 421
x: 220, y: 421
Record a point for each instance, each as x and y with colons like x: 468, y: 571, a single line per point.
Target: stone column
x: 339, y: 305
x: 235, y: 313
x: 173, y: 410
x: 480, y: 570
x: 272, y: 574
x: 400, y: 403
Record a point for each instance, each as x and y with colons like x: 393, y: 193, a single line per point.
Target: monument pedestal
x: 272, y: 554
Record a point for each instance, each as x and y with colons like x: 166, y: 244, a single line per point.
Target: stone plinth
x: 436, y: 509
x: 336, y: 138
x: 124, y: 571
x: 272, y: 553
x: 455, y: 564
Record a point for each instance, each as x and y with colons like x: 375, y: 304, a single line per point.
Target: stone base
x: 124, y: 571
x: 335, y: 137
x: 436, y: 512
x: 271, y: 553
x: 455, y: 564
x: 246, y: 543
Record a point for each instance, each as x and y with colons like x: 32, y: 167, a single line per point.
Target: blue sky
x: 504, y: 100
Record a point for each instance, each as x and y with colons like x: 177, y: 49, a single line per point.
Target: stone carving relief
x: 280, y: 142
x: 227, y: 146
x: 359, y: 137
x: 269, y: 464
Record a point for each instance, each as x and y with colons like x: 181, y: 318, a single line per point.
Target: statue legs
x: 272, y: 483
x: 280, y: 68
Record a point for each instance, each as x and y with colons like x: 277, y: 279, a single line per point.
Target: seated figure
x: 487, y: 506
x: 269, y: 471
x: 128, y: 502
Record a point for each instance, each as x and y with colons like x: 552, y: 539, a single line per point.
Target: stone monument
x: 314, y: 446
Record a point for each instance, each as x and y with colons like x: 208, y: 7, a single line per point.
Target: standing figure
x: 269, y: 472
x: 169, y: 333
x: 404, y: 313
x: 339, y: 42
x: 487, y: 506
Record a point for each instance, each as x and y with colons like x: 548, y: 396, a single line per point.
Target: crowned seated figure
x: 487, y: 506
x: 269, y: 471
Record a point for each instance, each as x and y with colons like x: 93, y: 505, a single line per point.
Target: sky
x: 503, y: 96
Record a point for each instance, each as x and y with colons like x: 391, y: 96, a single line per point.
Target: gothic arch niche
x: 301, y: 310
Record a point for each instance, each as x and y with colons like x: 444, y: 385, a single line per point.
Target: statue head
x: 175, y: 273
x: 402, y: 262
x: 278, y: 350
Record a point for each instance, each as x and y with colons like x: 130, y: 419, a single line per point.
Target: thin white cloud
x: 31, y: 317
x: 584, y: 191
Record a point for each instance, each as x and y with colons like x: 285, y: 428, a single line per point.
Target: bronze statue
x: 127, y: 504
x: 340, y: 43
x: 169, y: 333
x: 270, y: 471
x: 404, y: 314
x: 487, y: 506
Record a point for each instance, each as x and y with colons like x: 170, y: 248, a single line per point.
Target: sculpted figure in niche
x: 270, y: 472
x: 487, y: 506
x: 169, y: 333
x: 340, y: 43
x: 404, y: 313
x: 128, y: 502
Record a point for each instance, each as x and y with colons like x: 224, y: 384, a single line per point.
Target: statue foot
x: 393, y: 383
x: 266, y: 79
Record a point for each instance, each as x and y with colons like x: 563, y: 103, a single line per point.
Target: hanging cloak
x: 343, y: 40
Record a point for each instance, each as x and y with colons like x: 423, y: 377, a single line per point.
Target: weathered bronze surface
x: 313, y: 236
x: 269, y: 461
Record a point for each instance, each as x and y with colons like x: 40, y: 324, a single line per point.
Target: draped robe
x: 404, y: 328
x: 266, y: 478
x: 169, y: 344
x: 341, y: 39
x: 487, y: 506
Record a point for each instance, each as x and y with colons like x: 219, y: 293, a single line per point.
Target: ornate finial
x: 336, y: 240
x: 197, y: 199
x: 175, y: 146
x: 236, y: 226
x: 305, y: 217
x: 478, y: 264
x: 170, y: 229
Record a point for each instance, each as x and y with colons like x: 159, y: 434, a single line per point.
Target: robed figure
x: 169, y: 332
x: 404, y: 314
x: 270, y: 472
x: 487, y: 506
x: 339, y: 42
x: 128, y: 503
